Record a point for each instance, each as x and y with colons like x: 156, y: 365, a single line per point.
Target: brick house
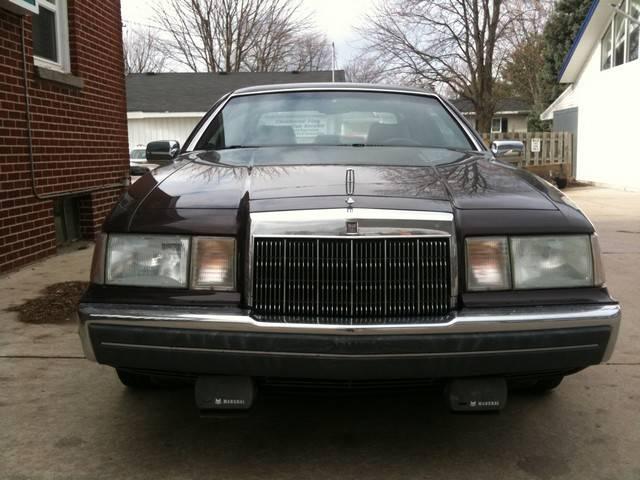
x: 63, y: 123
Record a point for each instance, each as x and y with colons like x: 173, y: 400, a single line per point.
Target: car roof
x: 329, y: 86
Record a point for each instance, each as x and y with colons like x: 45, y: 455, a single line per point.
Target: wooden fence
x: 555, y: 148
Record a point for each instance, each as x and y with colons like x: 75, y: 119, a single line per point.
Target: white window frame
x: 609, y: 30
x: 624, y: 6
x: 628, y: 34
x: 499, y: 121
x: 59, y: 8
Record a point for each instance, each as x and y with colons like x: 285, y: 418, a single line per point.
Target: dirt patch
x: 55, y: 305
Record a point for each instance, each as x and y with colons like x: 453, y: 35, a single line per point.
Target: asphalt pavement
x: 63, y: 417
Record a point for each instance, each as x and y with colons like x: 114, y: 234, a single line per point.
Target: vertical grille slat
x: 351, y: 281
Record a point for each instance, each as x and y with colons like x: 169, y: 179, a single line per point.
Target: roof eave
x: 549, y: 111
x: 590, y: 32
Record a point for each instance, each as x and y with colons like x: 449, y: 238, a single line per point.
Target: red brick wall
x: 79, y: 134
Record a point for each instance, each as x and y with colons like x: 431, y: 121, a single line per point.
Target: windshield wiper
x: 378, y: 145
x: 236, y: 147
x: 357, y: 145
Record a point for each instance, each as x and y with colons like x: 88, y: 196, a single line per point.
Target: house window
x: 620, y: 42
x: 496, y: 125
x: 499, y: 125
x: 619, y: 37
x: 50, y: 35
x: 606, y: 50
x: 634, y: 30
x: 66, y: 215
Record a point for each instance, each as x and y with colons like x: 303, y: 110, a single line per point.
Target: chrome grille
x: 351, y: 280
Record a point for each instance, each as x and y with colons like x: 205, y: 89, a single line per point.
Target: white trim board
x: 143, y: 115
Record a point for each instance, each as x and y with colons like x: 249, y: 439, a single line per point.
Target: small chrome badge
x: 350, y: 181
x: 352, y: 227
x: 350, y: 187
x: 350, y: 201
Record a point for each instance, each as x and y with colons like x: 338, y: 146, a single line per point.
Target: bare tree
x: 311, y: 52
x: 454, y: 45
x: 529, y: 18
x: 277, y: 36
x: 363, y: 69
x: 192, y: 27
x: 233, y: 35
x: 143, y: 51
x: 523, y: 69
x: 523, y: 72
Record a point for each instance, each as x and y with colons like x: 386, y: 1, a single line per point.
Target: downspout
x: 32, y: 166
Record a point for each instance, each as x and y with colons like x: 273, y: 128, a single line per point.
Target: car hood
x: 222, y: 179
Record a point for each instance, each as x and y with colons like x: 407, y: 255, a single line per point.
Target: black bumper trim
x: 129, y: 346
x: 196, y: 352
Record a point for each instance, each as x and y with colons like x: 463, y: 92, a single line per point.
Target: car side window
x: 226, y: 131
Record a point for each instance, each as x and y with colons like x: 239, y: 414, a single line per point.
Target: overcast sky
x: 336, y: 18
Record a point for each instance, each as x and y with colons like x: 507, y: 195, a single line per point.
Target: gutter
x: 32, y: 166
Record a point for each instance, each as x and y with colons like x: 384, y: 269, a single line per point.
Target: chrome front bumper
x: 465, y: 321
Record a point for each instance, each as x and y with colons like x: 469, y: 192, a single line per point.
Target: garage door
x: 567, y: 121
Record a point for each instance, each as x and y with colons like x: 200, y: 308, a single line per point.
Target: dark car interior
x: 275, y: 135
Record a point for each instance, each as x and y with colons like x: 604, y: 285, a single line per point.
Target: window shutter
x: 505, y: 125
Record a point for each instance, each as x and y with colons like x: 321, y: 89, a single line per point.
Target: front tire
x: 547, y: 384
x: 540, y: 385
x: 134, y: 380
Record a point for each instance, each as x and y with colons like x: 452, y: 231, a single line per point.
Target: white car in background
x: 138, y: 164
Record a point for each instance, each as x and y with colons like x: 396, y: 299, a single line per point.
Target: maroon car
x: 346, y: 235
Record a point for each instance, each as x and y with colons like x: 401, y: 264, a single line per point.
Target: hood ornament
x: 350, y: 186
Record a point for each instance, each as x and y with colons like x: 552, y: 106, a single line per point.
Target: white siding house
x: 166, y: 106
x: 512, y: 114
x: 145, y: 127
x: 602, y: 102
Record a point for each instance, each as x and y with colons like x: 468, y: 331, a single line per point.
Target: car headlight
x: 213, y: 263
x: 147, y: 260
x: 488, y: 264
x: 552, y: 261
x: 532, y: 262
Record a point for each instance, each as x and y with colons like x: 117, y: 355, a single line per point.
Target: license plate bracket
x: 477, y: 394
x: 224, y: 393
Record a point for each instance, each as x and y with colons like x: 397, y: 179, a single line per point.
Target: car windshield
x: 138, y: 154
x: 334, y: 118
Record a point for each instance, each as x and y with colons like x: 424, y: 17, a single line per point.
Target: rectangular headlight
x: 552, y: 261
x: 488, y: 264
x: 147, y: 260
x: 213, y: 265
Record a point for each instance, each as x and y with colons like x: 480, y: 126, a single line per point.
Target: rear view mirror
x: 162, y: 152
x: 503, y: 148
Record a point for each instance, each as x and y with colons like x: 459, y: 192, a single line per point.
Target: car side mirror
x: 162, y: 152
x: 504, y: 148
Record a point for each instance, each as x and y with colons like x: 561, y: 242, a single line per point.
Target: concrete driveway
x: 64, y: 417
